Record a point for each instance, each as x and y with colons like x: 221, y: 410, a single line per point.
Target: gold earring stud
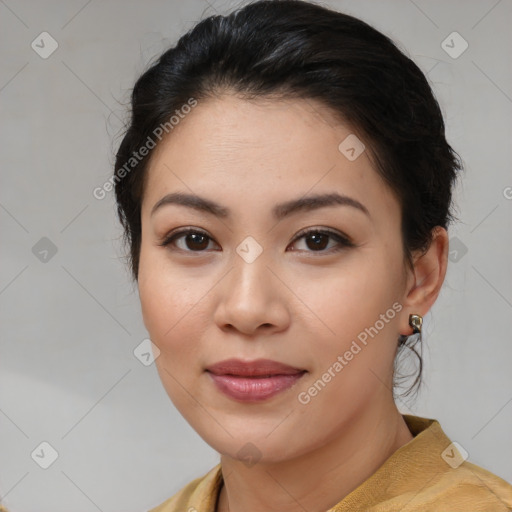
x: 415, y: 321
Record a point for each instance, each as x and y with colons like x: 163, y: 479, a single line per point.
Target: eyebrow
x: 279, y: 212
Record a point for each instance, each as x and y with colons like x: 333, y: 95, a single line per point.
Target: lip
x: 253, y: 381
x: 256, y: 368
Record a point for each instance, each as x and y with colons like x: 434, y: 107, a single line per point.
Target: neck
x: 319, y: 479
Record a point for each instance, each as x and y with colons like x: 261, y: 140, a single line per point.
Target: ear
x: 424, y: 283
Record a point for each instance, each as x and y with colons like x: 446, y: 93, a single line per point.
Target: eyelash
x: 343, y: 241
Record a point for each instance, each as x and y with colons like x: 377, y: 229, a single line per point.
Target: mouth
x: 256, y: 368
x: 253, y: 381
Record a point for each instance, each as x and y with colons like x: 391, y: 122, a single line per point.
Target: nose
x: 252, y: 299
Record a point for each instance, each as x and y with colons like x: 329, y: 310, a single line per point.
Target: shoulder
x: 429, y: 473
x: 446, y: 479
x: 199, y: 495
x: 450, y: 480
x: 471, y: 487
x: 467, y: 488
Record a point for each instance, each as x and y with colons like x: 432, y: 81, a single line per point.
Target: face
x: 249, y: 284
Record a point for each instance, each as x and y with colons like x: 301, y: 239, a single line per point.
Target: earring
x: 415, y: 321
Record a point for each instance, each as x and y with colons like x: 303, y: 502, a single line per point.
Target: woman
x: 285, y: 189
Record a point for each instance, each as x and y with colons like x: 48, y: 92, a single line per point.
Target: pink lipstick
x: 253, y: 381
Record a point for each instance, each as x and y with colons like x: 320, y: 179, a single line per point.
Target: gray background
x: 71, y: 320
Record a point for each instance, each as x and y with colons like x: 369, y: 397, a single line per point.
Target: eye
x: 194, y: 240
x: 318, y: 240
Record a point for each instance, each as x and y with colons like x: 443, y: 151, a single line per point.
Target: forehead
x: 219, y: 125
x: 271, y: 149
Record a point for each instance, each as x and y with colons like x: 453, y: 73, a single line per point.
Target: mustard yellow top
x: 427, y: 474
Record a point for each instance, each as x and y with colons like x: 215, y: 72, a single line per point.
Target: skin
x: 294, y: 304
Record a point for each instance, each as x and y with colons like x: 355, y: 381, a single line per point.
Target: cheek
x: 168, y: 301
x: 357, y: 319
x: 356, y: 296
x: 353, y: 358
x: 171, y: 310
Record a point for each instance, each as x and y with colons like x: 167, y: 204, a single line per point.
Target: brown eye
x: 318, y: 240
x: 194, y: 241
